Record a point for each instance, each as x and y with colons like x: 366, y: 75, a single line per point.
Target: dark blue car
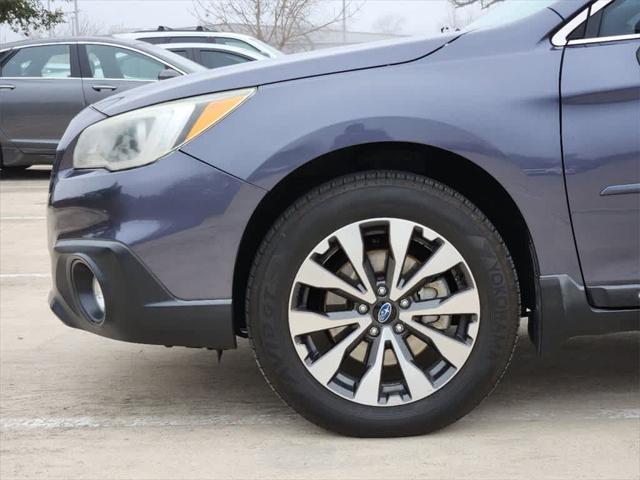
x: 376, y: 220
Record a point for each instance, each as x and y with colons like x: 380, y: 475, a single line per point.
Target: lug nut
x: 374, y: 331
x: 362, y: 309
x: 398, y: 328
x: 405, y: 303
x: 382, y: 291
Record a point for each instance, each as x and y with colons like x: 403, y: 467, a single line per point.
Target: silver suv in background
x: 201, y: 35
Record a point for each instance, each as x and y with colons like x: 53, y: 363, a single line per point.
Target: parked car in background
x: 375, y: 220
x: 202, y: 35
x: 45, y: 83
x: 211, y: 55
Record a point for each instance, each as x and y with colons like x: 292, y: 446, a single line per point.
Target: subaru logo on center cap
x: 385, y: 312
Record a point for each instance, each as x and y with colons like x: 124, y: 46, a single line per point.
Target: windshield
x: 510, y: 11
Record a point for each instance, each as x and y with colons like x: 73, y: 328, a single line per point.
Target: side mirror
x: 167, y: 73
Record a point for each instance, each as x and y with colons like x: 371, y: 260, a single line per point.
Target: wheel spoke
x: 326, y: 366
x: 350, y: 239
x: 454, y: 351
x: 314, y: 275
x: 303, y: 322
x: 472, y: 329
x: 368, y: 391
x: 417, y: 382
x: 445, y: 258
x: 400, y: 233
x: 465, y: 302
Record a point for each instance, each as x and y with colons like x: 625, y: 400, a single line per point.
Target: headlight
x: 142, y: 136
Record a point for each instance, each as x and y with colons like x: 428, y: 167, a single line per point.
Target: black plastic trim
x: 83, y: 60
x: 566, y: 313
x: 138, y: 307
x: 615, y: 296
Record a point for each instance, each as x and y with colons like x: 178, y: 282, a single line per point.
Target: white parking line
x: 621, y: 413
x: 25, y: 275
x: 47, y: 423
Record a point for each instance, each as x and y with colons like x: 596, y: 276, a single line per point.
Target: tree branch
x: 484, y: 4
x: 278, y: 22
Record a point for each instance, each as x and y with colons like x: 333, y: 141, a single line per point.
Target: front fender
x: 497, y: 108
x: 363, y: 131
x: 302, y: 120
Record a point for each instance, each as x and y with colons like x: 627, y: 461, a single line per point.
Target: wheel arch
x: 444, y: 166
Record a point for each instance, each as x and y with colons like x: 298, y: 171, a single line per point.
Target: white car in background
x: 212, y: 55
x: 201, y: 35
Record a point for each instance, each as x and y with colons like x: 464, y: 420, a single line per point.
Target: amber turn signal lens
x: 213, y: 113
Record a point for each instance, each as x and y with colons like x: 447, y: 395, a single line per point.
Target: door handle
x: 7, y: 86
x: 99, y: 88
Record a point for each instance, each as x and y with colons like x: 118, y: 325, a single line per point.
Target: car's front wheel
x: 383, y: 304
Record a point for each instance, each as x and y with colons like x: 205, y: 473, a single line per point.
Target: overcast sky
x: 417, y: 16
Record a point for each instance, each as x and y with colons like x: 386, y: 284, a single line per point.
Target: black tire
x: 369, y: 195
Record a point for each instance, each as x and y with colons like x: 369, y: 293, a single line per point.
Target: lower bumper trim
x: 138, y: 308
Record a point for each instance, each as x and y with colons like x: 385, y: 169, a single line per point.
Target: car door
x: 212, y: 58
x: 600, y: 90
x: 108, y: 69
x: 40, y: 92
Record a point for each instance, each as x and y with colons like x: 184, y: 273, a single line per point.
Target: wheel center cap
x: 384, y: 312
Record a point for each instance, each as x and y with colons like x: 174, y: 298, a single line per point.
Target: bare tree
x: 85, y: 26
x: 483, y: 3
x: 390, y: 24
x: 458, y: 18
x: 276, y: 22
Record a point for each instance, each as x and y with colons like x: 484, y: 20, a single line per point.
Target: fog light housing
x: 89, y: 292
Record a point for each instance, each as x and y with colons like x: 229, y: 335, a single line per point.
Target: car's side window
x: 106, y: 61
x: 95, y: 65
x: 215, y: 58
x: 621, y: 17
x: 48, y: 61
x: 618, y: 18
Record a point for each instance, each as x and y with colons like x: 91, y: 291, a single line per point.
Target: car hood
x: 286, y: 68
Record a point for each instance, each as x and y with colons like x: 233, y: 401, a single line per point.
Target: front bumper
x: 162, y: 240
x: 137, y: 307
